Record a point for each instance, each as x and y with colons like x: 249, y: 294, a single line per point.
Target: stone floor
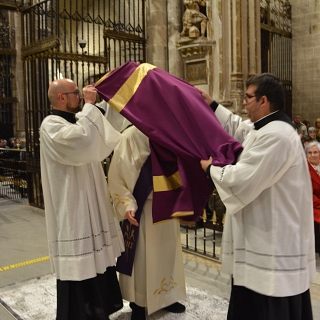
x: 24, y: 262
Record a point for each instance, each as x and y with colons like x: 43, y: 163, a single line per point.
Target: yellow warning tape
x: 24, y: 263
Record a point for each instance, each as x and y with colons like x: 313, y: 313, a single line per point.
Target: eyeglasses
x: 77, y: 92
x: 311, y: 153
x: 247, y: 97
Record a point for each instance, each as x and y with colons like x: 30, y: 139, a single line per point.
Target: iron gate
x: 7, y: 99
x: 76, y: 39
x: 276, y: 44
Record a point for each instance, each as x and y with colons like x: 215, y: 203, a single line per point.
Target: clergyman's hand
x: 89, y: 94
x: 205, y: 163
x: 206, y: 97
x: 130, y: 214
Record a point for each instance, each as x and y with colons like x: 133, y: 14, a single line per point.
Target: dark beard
x: 74, y: 110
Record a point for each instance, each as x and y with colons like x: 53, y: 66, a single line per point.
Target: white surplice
x: 157, y: 278
x: 118, y: 121
x: 84, y: 237
x: 268, y: 241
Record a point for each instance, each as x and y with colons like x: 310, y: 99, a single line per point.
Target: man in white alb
x: 268, y: 239
x: 84, y: 237
x: 157, y: 278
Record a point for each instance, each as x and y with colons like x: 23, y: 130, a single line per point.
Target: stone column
x: 175, y: 10
x: 254, y: 47
x: 236, y: 54
x: 225, y: 47
x: 157, y: 39
x: 18, y: 83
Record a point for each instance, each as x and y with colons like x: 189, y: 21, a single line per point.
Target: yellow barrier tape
x: 24, y: 263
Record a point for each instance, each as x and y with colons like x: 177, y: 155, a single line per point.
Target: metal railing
x: 205, y: 237
x: 13, y: 174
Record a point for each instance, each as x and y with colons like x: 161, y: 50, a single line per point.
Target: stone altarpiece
x: 223, y: 58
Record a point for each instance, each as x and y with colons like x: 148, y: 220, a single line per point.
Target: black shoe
x: 175, y: 308
x: 138, y: 313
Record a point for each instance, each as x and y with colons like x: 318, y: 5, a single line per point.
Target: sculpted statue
x: 194, y: 21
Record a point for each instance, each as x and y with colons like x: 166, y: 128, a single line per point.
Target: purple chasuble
x: 182, y: 130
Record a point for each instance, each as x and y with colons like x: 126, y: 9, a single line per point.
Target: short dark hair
x: 306, y: 139
x: 267, y: 84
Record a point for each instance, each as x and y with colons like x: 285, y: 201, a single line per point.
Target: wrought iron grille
x: 276, y: 43
x: 13, y: 176
x: 76, y: 39
x: 7, y: 100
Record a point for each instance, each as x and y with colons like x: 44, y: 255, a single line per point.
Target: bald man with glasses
x: 83, y: 236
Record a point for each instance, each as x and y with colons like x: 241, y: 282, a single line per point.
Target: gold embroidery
x: 128, y: 237
x: 163, y: 183
x: 129, y: 234
x: 117, y: 200
x: 165, y: 286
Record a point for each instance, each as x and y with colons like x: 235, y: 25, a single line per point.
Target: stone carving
x: 194, y: 19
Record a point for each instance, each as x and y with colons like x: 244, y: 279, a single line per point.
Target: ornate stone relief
x: 193, y: 44
x: 194, y: 19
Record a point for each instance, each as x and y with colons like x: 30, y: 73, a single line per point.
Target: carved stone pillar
x: 174, y: 28
x: 18, y: 88
x: 254, y: 38
x: 237, y: 86
x: 157, y: 49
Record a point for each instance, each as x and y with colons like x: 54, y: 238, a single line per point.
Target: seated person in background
x: 317, y: 125
x: 18, y: 144
x: 312, y: 133
x: 305, y: 140
x: 12, y: 143
x: 313, y: 157
x: 299, y: 126
x: 3, y: 154
x: 3, y: 144
x: 306, y: 123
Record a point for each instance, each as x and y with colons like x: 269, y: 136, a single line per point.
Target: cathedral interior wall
x: 305, y: 58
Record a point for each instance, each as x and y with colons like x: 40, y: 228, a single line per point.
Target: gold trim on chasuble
x: 129, y: 88
x: 119, y: 101
x: 163, y: 183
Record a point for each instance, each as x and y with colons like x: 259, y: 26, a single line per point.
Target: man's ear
x: 264, y: 101
x: 60, y: 96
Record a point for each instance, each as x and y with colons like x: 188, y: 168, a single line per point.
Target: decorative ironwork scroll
x: 276, y: 43
x: 76, y: 39
x: 7, y: 100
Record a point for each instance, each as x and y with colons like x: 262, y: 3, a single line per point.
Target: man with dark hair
x: 3, y: 143
x: 268, y: 239
x: 299, y: 126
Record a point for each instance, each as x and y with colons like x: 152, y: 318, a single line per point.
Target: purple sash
x: 130, y: 232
